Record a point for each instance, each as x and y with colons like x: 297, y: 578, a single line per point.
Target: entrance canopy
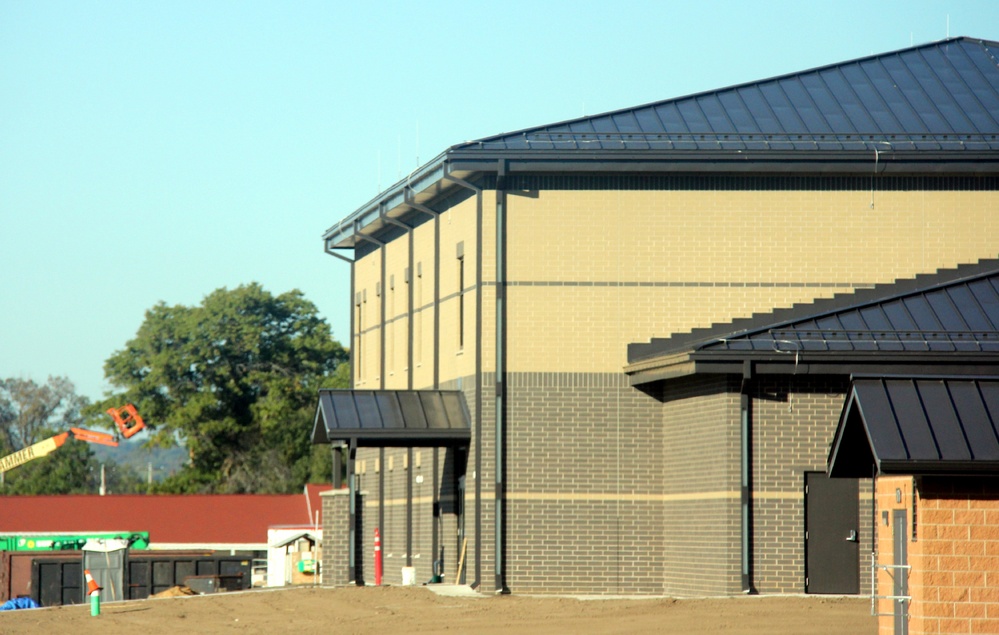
x: 918, y: 425
x: 392, y: 418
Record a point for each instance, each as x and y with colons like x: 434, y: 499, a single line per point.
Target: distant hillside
x: 131, y: 453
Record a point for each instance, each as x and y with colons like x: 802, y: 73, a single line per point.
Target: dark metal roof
x: 925, y: 109
x: 938, y: 96
x: 952, y: 311
x: 906, y: 425
x: 383, y: 418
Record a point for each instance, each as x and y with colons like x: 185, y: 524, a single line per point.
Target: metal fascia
x: 421, y: 178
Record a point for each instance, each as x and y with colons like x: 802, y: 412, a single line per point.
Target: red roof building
x: 237, y: 521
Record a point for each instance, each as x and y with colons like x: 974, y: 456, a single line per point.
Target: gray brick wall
x: 701, y: 517
x: 584, y: 477
x: 794, y: 420
x: 334, y: 561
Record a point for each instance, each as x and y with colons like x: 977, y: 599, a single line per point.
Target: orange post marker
x: 378, y: 557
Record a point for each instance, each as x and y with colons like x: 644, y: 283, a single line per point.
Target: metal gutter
x: 391, y: 198
x: 434, y: 178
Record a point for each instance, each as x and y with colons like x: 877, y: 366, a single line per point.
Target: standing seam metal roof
x: 904, y: 425
x: 952, y: 310
x: 938, y: 96
x: 935, y: 105
x: 380, y: 418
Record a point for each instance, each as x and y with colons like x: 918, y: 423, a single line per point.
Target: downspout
x: 337, y: 450
x: 381, y: 385
x: 352, y: 534
x: 746, y: 479
x: 501, y: 309
x: 478, y: 383
x: 409, y: 451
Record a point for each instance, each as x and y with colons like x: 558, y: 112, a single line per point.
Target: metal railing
x: 889, y: 569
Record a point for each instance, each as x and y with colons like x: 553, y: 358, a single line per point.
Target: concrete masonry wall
x: 592, y: 268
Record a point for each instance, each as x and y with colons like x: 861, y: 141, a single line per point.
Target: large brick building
x: 514, y: 271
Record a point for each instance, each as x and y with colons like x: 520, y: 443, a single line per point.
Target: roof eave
x: 430, y: 181
x: 659, y: 369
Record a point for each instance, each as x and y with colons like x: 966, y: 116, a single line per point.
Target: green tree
x: 235, y: 381
x: 31, y: 412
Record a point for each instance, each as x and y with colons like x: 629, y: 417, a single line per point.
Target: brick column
x: 335, y: 561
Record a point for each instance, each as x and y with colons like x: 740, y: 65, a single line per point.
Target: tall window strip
x: 461, y: 296
x: 406, y: 279
x: 418, y: 337
x: 360, y: 330
x: 391, y: 325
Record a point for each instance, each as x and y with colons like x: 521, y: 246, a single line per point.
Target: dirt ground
x: 384, y: 610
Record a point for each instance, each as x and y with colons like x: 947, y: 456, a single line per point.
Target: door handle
x: 853, y: 536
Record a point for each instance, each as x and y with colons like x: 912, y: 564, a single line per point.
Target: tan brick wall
x: 592, y: 270
x: 660, y: 262
x: 953, y: 552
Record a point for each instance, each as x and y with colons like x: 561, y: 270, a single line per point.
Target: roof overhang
x: 918, y: 426
x: 392, y: 418
x: 311, y: 536
x: 820, y: 363
x: 459, y: 165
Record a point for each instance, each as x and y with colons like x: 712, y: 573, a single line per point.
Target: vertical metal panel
x: 456, y: 413
x: 367, y: 410
x: 871, y: 398
x: 344, y: 411
x: 970, y: 401
x: 412, y: 408
x: 389, y: 410
x: 911, y: 420
x: 946, y: 427
x: 434, y: 407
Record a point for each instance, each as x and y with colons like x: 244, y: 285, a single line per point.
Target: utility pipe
x: 500, y: 440
x: 746, y: 480
x: 336, y: 450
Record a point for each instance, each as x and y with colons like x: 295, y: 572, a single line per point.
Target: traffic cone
x: 94, y: 592
x: 91, y: 583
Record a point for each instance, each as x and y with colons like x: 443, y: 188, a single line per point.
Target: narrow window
x: 360, y: 328
x: 391, y: 331
x: 418, y: 352
x: 461, y: 296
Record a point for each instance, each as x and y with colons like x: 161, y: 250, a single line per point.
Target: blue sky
x: 157, y: 151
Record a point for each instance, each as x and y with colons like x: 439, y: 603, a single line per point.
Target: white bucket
x: 408, y: 576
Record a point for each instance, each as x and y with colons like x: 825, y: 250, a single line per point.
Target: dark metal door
x: 900, y: 574
x: 57, y: 582
x: 832, y: 545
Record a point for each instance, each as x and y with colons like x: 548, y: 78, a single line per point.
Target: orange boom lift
x: 126, y: 418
